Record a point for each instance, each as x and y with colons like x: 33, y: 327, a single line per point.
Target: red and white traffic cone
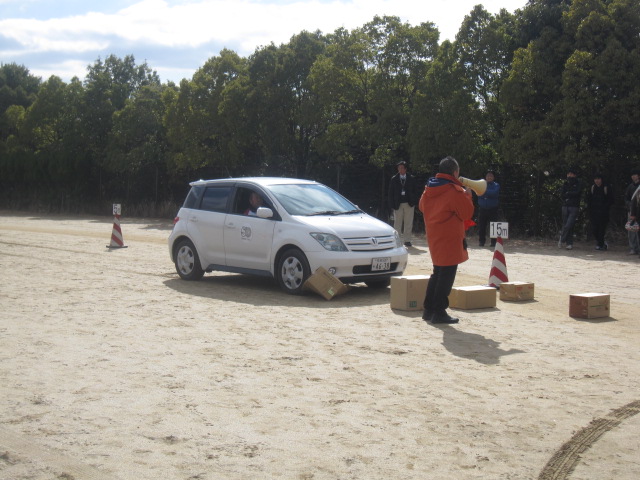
x: 116, y: 234
x: 498, y: 273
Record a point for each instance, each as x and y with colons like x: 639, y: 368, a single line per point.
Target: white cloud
x: 66, y: 70
x: 242, y: 25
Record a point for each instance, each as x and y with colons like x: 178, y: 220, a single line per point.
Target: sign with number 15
x: 499, y: 229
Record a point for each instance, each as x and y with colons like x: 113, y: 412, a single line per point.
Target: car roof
x: 263, y: 181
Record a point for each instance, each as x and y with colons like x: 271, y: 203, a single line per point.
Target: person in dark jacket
x: 488, y: 208
x: 599, y: 201
x: 403, y: 197
x: 570, y: 194
x: 634, y: 241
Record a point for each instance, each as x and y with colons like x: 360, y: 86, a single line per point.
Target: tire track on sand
x: 565, y: 460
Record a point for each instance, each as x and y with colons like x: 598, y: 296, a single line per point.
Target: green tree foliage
x: 17, y: 88
x: 197, y: 135
x: 137, y: 141
x: 446, y: 118
x: 367, y: 82
x: 283, y: 108
x: 573, y: 91
x: 600, y: 89
x: 485, y: 45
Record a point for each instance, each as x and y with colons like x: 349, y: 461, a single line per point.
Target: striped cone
x: 116, y: 234
x: 498, y: 272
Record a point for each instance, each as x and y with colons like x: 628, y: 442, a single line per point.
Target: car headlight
x: 330, y: 242
x: 398, y: 241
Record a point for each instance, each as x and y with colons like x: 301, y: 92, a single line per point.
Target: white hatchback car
x: 282, y: 228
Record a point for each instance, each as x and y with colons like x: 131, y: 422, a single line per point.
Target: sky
x: 176, y: 37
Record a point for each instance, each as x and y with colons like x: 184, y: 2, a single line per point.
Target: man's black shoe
x: 443, y: 318
x: 407, y: 244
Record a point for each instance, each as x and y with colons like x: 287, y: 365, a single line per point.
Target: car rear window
x: 193, y: 198
x: 215, y: 199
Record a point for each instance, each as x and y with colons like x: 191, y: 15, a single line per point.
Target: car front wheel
x: 292, y: 270
x: 187, y: 261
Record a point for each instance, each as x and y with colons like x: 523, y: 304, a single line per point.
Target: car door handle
x: 193, y: 219
x: 230, y: 225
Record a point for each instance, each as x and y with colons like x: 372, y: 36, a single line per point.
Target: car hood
x: 347, y: 225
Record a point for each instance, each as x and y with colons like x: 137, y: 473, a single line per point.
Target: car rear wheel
x: 292, y: 270
x: 187, y: 261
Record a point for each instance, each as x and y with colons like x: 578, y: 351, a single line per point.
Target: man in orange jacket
x: 446, y: 205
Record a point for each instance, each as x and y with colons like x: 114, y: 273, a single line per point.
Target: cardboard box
x: 407, y: 292
x: 516, y: 291
x: 477, y: 296
x: 589, y: 305
x: 325, y: 284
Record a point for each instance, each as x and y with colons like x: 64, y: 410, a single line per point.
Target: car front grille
x: 370, y: 244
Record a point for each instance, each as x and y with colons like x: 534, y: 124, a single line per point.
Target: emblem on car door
x: 245, y: 233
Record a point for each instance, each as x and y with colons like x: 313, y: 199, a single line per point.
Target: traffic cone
x: 116, y: 234
x: 498, y: 272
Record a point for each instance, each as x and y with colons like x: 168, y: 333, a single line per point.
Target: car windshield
x: 312, y: 199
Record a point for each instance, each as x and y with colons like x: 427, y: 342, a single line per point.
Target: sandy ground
x: 111, y: 367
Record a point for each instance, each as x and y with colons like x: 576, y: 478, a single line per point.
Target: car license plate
x: 382, y: 263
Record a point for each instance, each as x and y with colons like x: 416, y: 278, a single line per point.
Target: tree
x: 281, y: 101
x: 600, y: 89
x: 533, y: 88
x: 485, y: 45
x: 445, y: 120
x: 17, y: 87
x: 197, y: 135
x: 367, y: 82
x: 137, y: 142
x: 108, y: 86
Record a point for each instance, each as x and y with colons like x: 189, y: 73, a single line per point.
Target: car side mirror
x: 264, y: 212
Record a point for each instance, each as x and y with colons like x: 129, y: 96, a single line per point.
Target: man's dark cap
x: 401, y: 162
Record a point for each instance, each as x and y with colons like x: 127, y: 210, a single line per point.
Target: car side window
x: 193, y: 198
x: 242, y: 204
x: 215, y: 199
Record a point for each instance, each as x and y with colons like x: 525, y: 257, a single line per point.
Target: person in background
x: 446, y: 205
x: 488, y: 208
x: 570, y: 194
x: 403, y: 197
x: 599, y: 201
x: 634, y: 243
x: 634, y: 214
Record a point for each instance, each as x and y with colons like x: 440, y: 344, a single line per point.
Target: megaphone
x: 478, y: 186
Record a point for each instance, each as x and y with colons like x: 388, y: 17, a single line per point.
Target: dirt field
x: 111, y: 367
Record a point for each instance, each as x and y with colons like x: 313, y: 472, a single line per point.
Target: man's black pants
x: 439, y: 287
